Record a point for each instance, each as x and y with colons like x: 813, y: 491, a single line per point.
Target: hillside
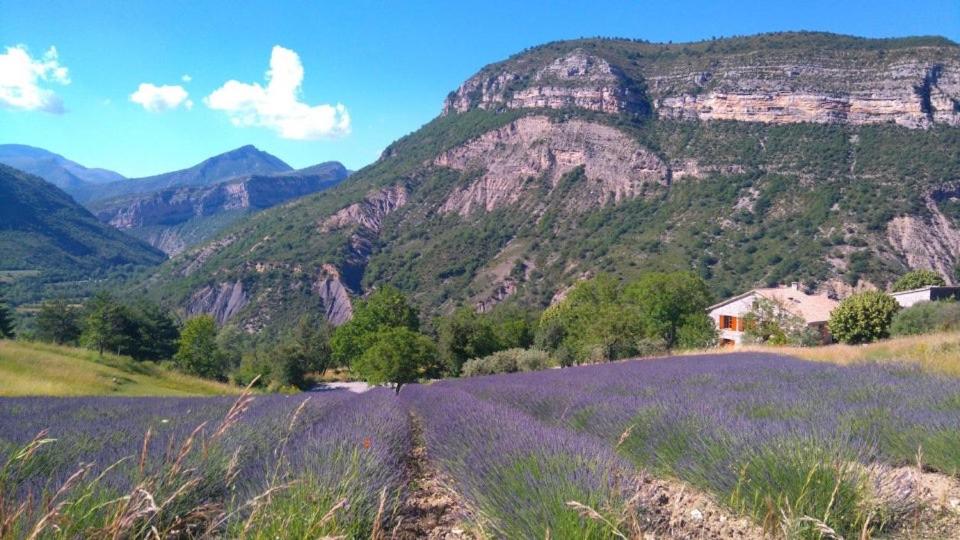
x: 67, y: 175
x: 46, y: 232
x: 179, y: 217
x: 38, y: 369
x: 830, y: 160
x: 243, y: 161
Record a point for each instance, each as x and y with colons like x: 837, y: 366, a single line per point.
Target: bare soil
x: 431, y: 510
x: 676, y: 510
x: 938, y: 513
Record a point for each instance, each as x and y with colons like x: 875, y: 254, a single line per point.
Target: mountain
x: 243, y: 161
x: 179, y: 217
x: 67, y: 175
x: 43, y: 231
x: 829, y: 160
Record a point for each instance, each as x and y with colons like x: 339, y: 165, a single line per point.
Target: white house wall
x: 908, y: 299
x: 737, y: 308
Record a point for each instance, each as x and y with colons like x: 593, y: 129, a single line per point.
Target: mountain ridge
x: 245, y: 160
x: 520, y: 193
x: 65, y: 174
x: 45, y: 231
x: 178, y: 217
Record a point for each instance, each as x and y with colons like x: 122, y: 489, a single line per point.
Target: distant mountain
x: 829, y: 160
x: 179, y: 217
x: 243, y: 161
x: 67, y: 175
x: 42, y: 230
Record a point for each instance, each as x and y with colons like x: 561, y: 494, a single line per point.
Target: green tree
x: 103, y: 327
x: 863, y: 317
x: 7, y: 323
x: 396, y: 355
x: 591, y: 323
x: 306, y: 350
x: 917, y: 279
x: 58, y: 321
x: 770, y: 322
x: 385, y: 308
x: 463, y: 335
x: 198, y: 352
x: 666, y: 302
x: 153, y: 332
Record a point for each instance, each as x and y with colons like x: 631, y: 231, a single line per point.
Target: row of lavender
x: 778, y: 438
x: 269, y: 466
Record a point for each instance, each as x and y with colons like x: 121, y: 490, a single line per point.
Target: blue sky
x: 389, y: 64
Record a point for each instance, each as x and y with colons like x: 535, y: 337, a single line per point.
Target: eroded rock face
x: 370, y: 212
x: 932, y: 243
x: 910, y: 94
x: 577, y: 79
x: 222, y: 301
x: 616, y: 167
x: 914, y: 88
x: 336, y: 299
x: 166, y: 209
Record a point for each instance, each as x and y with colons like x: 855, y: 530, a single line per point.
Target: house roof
x: 813, y: 308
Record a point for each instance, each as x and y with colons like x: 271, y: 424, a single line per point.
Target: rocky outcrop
x: 174, y: 206
x: 914, y: 87
x: 222, y: 301
x: 913, y: 94
x: 578, y: 79
x: 616, y: 167
x: 932, y: 242
x: 336, y: 299
x: 158, y: 217
x: 370, y: 212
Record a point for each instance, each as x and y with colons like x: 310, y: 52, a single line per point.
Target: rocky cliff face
x: 158, y: 216
x: 222, y: 301
x: 911, y: 94
x: 535, y: 147
x: 369, y: 212
x: 577, y: 79
x: 931, y: 242
x: 914, y: 87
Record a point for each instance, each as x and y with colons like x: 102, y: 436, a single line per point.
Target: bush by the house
x: 918, y: 279
x: 926, y: 317
x: 863, y: 317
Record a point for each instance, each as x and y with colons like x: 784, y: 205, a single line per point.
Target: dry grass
x: 40, y: 369
x: 935, y: 353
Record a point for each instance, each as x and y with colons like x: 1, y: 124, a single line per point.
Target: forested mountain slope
x: 830, y: 160
x: 46, y: 233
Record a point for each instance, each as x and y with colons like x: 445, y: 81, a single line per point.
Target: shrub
x: 863, y: 317
x: 926, y: 317
x: 918, y: 279
x: 508, y: 361
x: 651, y: 346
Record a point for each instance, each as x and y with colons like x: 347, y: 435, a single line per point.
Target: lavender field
x: 799, y: 449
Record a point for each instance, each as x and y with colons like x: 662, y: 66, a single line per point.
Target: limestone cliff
x: 864, y: 82
x: 534, y: 147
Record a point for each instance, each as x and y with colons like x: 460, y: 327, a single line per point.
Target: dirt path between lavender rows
x: 430, y: 510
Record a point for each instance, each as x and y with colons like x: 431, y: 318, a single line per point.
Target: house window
x: 729, y: 322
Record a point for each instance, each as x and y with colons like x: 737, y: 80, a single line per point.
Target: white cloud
x: 161, y: 98
x: 21, y: 79
x: 277, y: 106
x: 186, y: 78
